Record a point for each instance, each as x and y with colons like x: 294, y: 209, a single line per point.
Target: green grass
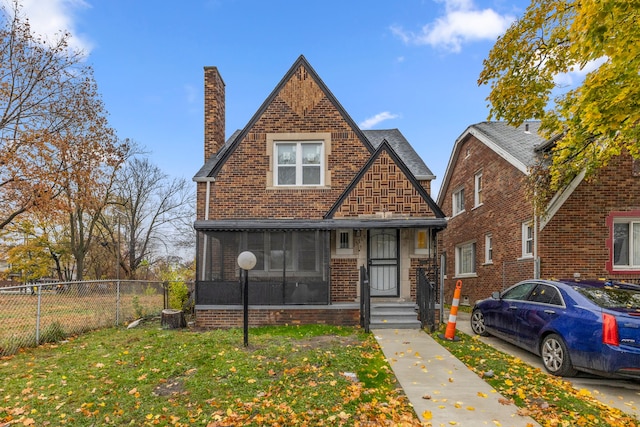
x: 548, y: 399
x: 151, y: 376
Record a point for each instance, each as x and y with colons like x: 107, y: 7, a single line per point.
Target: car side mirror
x: 495, y: 295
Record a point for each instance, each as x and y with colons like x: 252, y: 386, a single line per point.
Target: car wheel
x: 555, y: 356
x: 477, y: 323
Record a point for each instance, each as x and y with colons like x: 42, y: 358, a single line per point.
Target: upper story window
x: 298, y: 159
x: 299, y: 163
x: 527, y: 240
x: 458, y: 202
x: 477, y: 194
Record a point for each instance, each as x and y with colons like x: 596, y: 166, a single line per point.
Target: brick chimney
x: 214, y: 134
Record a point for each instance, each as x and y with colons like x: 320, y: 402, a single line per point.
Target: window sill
x: 477, y: 206
x: 488, y: 263
x: 525, y: 258
x: 465, y: 276
x: 298, y: 187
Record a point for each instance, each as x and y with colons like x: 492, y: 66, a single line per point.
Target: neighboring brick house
x: 314, y: 198
x: 591, y: 229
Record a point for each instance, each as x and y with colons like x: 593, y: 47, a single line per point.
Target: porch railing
x: 426, y: 295
x: 365, y: 299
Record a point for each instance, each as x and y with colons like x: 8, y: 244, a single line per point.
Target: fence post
x: 118, y: 302
x: 38, y: 315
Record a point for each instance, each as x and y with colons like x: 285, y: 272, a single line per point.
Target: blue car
x: 573, y: 325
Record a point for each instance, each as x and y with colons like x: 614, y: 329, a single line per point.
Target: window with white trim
x: 488, y: 249
x: 458, y: 201
x: 477, y: 194
x: 626, y: 243
x: 299, y: 163
x: 527, y: 240
x: 466, y: 259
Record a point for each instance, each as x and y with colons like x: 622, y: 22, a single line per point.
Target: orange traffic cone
x: 450, y: 332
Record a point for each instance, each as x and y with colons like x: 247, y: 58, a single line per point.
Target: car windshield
x: 612, y: 297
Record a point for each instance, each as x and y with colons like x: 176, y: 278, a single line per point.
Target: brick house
x: 590, y: 229
x: 314, y: 198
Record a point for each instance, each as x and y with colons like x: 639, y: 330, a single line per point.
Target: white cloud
x: 462, y: 23
x: 578, y: 74
x: 49, y: 18
x: 380, y: 117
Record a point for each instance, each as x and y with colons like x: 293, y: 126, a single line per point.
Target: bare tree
x: 150, y: 207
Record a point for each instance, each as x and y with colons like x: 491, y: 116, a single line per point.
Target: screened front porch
x: 292, y: 267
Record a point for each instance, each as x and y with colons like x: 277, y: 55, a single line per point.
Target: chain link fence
x: 48, y: 312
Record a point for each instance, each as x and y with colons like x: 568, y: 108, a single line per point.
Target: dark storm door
x: 383, y: 263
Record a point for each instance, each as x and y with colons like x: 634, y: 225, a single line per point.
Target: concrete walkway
x: 442, y: 390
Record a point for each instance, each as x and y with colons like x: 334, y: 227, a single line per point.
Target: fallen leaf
x: 427, y: 415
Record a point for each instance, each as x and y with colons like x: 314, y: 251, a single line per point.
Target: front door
x: 383, y: 262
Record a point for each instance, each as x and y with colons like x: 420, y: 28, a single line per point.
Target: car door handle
x: 513, y: 307
x: 550, y: 311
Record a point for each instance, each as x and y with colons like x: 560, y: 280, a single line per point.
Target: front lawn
x: 306, y: 375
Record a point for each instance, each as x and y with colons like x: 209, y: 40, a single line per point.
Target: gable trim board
x: 559, y: 199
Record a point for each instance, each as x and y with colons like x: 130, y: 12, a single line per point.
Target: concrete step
x: 394, y: 315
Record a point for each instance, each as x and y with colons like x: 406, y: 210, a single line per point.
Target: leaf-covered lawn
x: 150, y: 376
x: 548, y: 399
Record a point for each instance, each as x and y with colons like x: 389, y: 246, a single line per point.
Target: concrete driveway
x: 621, y: 394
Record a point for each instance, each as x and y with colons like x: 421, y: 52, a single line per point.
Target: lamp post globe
x: 246, y: 261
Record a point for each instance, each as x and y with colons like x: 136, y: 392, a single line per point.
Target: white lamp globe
x: 247, y: 260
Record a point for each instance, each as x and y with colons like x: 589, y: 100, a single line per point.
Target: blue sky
x: 410, y: 64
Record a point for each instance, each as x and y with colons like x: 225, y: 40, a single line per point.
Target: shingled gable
x: 385, y: 147
x: 233, y: 142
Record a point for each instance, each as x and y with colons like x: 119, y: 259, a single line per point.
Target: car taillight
x: 610, y: 330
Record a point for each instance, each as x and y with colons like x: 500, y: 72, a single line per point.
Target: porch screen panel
x: 291, y: 268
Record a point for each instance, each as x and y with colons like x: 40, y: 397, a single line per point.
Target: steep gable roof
x: 385, y: 147
x: 211, y: 168
x: 517, y: 145
x: 403, y: 149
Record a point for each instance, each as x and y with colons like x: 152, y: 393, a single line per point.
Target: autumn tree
x: 597, y: 119
x: 147, y: 211
x: 39, y: 81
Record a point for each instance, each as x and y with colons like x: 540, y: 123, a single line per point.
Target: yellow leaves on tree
x: 528, y: 69
x: 54, y: 136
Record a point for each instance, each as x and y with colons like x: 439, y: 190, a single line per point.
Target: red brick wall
x: 345, y: 279
x: 214, y: 112
x: 384, y: 188
x: 233, y: 317
x: 240, y: 190
x: 502, y: 213
x: 575, y: 239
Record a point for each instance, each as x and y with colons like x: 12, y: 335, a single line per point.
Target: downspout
x: 206, y: 218
x: 536, y: 261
